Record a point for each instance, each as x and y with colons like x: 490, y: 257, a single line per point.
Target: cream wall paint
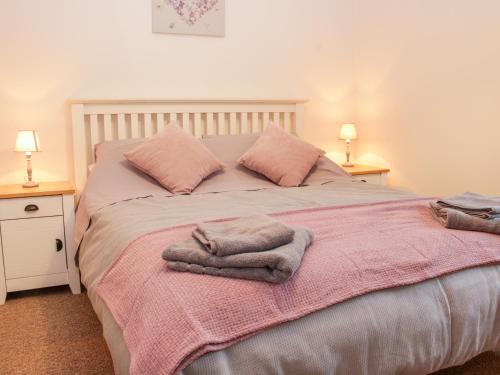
x: 55, y: 50
x: 420, y: 78
x: 428, y: 103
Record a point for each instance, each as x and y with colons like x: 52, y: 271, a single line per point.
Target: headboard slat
x: 134, y: 125
x: 108, y: 128
x: 148, y: 125
x: 211, y: 126
x: 122, y: 130
x: 96, y: 121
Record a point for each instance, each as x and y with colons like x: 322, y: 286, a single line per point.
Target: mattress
x: 406, y: 330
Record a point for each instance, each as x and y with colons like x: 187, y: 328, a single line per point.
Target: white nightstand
x: 37, y: 249
x: 366, y: 173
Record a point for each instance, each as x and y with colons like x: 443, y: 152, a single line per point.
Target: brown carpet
x: 51, y: 331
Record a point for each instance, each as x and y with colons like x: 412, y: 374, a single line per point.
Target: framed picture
x: 193, y: 17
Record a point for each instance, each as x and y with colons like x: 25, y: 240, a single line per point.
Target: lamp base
x: 348, y: 165
x: 30, y: 184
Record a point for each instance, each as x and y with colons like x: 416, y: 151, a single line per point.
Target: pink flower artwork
x: 191, y: 11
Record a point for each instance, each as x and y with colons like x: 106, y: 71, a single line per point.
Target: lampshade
x: 348, y: 132
x: 27, y: 141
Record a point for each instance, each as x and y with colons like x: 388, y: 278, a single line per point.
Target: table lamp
x: 348, y: 133
x: 27, y: 141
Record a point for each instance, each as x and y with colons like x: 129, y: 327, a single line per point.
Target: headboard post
x: 96, y: 121
x: 79, y: 146
x: 299, y: 120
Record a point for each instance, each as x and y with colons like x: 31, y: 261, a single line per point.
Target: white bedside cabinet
x: 369, y: 174
x: 37, y: 249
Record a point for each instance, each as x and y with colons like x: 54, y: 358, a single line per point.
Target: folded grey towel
x: 245, y: 235
x: 275, y: 266
x: 455, y: 219
x: 474, y: 204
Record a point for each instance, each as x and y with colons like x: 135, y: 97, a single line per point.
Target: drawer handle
x: 31, y: 208
x: 59, y: 245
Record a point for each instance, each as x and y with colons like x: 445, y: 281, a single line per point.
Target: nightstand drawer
x: 370, y: 178
x: 21, y: 208
x: 33, y: 247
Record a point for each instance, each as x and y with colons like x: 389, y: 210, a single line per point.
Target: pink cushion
x: 283, y: 158
x: 175, y: 159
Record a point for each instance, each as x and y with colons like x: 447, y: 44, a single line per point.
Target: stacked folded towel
x: 469, y: 211
x: 254, y: 247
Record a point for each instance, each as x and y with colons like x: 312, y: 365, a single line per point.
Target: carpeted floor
x: 51, y: 331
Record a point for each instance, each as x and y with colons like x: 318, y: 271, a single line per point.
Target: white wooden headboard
x: 96, y: 121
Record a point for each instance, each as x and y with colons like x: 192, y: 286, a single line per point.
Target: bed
x: 415, y: 327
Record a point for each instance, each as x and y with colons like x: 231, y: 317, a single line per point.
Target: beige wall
x: 55, y: 50
x: 421, y: 78
x: 428, y: 77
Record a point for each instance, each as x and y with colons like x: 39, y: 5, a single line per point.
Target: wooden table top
x: 44, y: 189
x: 360, y: 169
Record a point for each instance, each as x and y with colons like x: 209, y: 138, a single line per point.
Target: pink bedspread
x: 169, y: 319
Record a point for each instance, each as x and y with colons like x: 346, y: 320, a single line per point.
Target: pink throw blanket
x: 169, y: 319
